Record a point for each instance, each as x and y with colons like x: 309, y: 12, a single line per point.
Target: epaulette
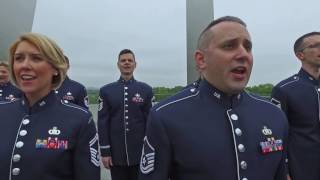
x: 288, y: 81
x: 260, y: 98
x: 74, y: 106
x: 181, y: 96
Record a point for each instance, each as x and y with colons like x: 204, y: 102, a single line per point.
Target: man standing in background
x: 123, y: 109
x: 73, y: 91
x: 299, y: 97
x: 8, y: 92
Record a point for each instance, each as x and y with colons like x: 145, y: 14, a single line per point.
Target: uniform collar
x: 229, y: 101
x: 66, y: 80
x: 63, y: 84
x: 306, y: 76
x: 41, y: 105
x: 121, y: 80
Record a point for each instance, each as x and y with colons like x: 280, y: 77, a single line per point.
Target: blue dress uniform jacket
x: 9, y: 92
x: 203, y: 134
x: 52, y: 140
x: 74, y: 92
x: 299, y: 98
x: 194, y: 84
x: 124, y: 108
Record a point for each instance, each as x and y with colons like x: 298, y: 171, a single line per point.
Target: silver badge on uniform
x: 266, y: 131
x: 147, y: 158
x: 95, y: 157
x: 217, y: 95
x: 54, y: 131
x: 100, y: 101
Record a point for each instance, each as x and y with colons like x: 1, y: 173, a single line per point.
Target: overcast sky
x: 92, y: 32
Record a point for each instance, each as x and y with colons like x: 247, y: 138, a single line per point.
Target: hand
x: 107, y: 162
x: 288, y: 177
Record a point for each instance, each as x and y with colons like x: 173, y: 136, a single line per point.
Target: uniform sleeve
x: 86, y: 155
x: 156, y: 152
x: 279, y: 99
x: 104, y: 125
x: 148, y: 103
x: 82, y: 99
x: 283, y: 169
x: 17, y: 93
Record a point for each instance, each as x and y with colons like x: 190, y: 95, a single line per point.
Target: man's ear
x: 200, y: 61
x: 300, y: 55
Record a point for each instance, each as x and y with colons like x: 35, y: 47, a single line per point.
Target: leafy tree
x: 261, y: 89
x: 164, y: 92
x: 93, y: 95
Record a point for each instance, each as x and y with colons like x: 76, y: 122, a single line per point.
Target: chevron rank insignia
x: 100, y: 102
x: 147, y: 158
x: 95, y: 156
x: 276, y: 102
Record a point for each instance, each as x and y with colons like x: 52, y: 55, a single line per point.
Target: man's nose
x: 243, y: 53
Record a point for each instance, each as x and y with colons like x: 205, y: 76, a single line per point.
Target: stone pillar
x: 16, y: 17
x: 199, y: 14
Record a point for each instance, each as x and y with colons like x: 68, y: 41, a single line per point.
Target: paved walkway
x: 105, y: 173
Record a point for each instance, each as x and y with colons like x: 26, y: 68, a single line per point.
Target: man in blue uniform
x: 123, y: 109
x: 299, y: 97
x: 8, y: 92
x: 73, y: 91
x: 217, y: 131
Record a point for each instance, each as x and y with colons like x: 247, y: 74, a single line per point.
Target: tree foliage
x: 164, y: 92
x: 261, y: 89
x: 93, y: 95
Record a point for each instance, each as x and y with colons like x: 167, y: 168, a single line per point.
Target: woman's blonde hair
x: 49, y: 49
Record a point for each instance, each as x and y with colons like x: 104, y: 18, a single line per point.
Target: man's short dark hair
x: 126, y: 51
x: 297, y: 47
x: 205, y: 36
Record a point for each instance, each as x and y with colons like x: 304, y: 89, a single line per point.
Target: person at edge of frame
x: 298, y: 97
x: 73, y: 91
x: 8, y: 92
